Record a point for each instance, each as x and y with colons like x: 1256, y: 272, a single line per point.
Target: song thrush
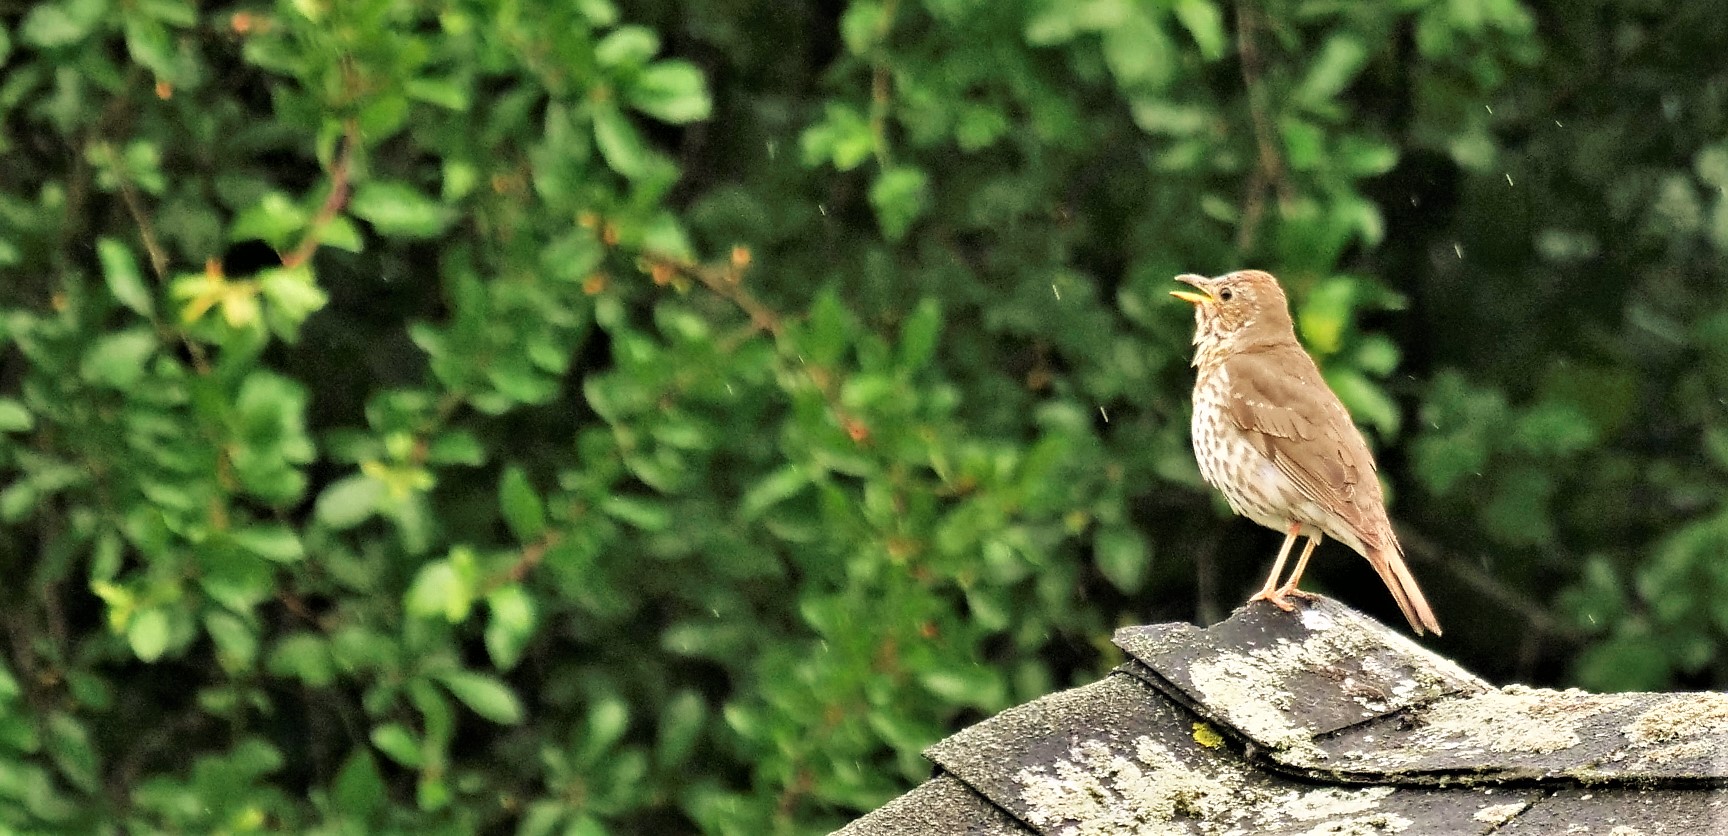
x: 1270, y: 434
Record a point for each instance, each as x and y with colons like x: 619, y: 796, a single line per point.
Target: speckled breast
x: 1249, y: 480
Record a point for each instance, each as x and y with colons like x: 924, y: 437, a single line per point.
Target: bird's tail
x: 1389, y: 562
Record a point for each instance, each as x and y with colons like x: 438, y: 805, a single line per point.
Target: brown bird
x: 1270, y: 434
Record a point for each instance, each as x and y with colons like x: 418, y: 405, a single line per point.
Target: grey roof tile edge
x: 941, y: 805
x: 1118, y: 757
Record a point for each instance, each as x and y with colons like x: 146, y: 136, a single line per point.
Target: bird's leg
x: 1270, y: 592
x: 1289, y: 587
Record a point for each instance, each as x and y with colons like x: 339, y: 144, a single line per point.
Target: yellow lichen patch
x: 1250, y: 690
x: 1207, y: 736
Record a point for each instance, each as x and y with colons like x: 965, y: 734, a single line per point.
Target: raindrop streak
x: 1056, y: 290
x: 1458, y: 248
x: 773, y: 149
x: 1489, y: 108
x: 1509, y: 179
x: 1105, y: 414
x: 1557, y: 124
x: 822, y: 209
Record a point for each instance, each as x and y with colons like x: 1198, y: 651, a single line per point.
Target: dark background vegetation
x: 641, y: 416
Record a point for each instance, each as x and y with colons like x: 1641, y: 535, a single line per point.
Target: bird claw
x: 1293, y: 592
x: 1275, y: 597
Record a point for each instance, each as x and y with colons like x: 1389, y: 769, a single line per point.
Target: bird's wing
x: 1280, y: 401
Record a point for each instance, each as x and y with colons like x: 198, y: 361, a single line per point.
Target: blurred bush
x: 653, y: 417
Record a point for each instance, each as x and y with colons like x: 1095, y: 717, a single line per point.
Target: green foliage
x: 644, y: 417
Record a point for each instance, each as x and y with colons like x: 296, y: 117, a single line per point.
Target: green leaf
x: 275, y: 219
x: 359, y: 788
x: 843, y: 138
x: 272, y: 542
x: 236, y: 641
x: 439, y: 591
x: 680, y: 724
x: 784, y: 483
x: 293, y: 295
x: 645, y: 514
x: 120, y: 271
x: 1140, y: 55
x: 485, y: 695
x: 399, y: 210
x: 608, y: 719
x: 456, y: 447
x: 861, y: 26
x: 1205, y: 23
x: 348, y: 501
x: 627, y: 46
x: 151, y: 45
x: 14, y: 417
x: 510, y: 626
x: 54, y: 25
x: 1341, y: 59
x: 900, y: 196
x: 1625, y: 663
x: 69, y: 746
x: 306, y: 657
x: 341, y: 233
x: 117, y: 359
x: 524, y: 511
x: 619, y: 143
x: 147, y: 633
x: 978, y: 686
x: 1366, y: 400
x: 671, y: 91
x: 396, y: 742
x: 918, y: 336
x: 448, y: 93
x: 1123, y: 556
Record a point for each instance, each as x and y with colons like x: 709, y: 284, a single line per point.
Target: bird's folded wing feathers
x: 1281, y: 402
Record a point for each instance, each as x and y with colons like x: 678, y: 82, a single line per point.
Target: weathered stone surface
x: 1116, y: 758
x: 1321, y: 722
x: 1626, y: 811
x: 939, y: 805
x: 1285, y: 679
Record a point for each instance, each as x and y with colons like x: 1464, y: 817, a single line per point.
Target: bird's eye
x: 1225, y: 294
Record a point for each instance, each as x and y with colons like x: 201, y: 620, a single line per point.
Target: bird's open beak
x: 1193, y: 298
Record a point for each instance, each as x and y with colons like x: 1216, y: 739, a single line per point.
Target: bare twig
x: 1268, y: 163
x: 146, y: 230
x: 333, y: 202
x: 726, y: 280
x: 158, y: 260
x: 882, y: 87
x: 1488, y: 586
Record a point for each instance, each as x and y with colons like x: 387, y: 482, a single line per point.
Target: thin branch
x: 727, y: 281
x: 333, y: 202
x: 882, y: 87
x: 146, y: 231
x: 1488, y: 586
x: 158, y: 261
x: 1268, y: 163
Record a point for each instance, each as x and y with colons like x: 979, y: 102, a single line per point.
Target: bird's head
x: 1236, y: 310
